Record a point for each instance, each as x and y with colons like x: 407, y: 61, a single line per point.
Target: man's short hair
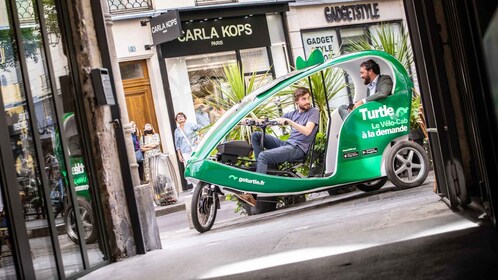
x: 300, y: 91
x: 180, y: 114
x: 371, y: 65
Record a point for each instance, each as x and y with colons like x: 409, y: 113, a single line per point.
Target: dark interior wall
x: 468, y: 83
x: 464, y: 23
x: 451, y: 93
x: 447, y: 41
x: 483, y: 12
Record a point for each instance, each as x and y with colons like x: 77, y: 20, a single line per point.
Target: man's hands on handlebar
x: 264, y: 122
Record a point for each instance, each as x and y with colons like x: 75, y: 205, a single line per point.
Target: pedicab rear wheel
x: 407, y: 165
x: 204, y: 206
x: 87, y: 221
x: 372, y: 185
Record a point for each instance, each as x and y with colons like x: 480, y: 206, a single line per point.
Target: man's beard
x: 305, y: 107
x: 367, y: 80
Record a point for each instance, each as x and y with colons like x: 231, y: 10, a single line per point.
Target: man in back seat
x: 378, y: 86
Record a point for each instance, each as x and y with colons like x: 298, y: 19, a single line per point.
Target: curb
x: 178, y: 206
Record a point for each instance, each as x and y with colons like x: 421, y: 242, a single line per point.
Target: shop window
x: 29, y: 111
x: 324, y: 40
x: 199, y: 80
x: 350, y: 36
x: 374, y: 29
x: 214, y: 82
x: 255, y: 61
x: 203, y: 70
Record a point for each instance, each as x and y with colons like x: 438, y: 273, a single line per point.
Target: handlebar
x: 263, y: 124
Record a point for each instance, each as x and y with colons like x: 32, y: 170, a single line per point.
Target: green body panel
x: 77, y: 168
x: 315, y: 58
x: 363, y: 137
x: 80, y: 177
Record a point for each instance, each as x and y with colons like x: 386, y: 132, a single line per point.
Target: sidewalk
x: 390, y: 233
x: 176, y: 207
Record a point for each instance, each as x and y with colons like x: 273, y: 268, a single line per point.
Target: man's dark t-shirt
x: 297, y: 138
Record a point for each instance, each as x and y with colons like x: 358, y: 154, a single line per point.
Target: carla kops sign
x: 165, y: 27
x: 219, y: 35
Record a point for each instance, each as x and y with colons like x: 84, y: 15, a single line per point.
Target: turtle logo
x: 233, y: 177
x: 402, y: 110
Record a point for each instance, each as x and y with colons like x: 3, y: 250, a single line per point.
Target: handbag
x: 139, y: 156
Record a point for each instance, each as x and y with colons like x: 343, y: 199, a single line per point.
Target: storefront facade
x: 333, y: 26
x: 182, y: 73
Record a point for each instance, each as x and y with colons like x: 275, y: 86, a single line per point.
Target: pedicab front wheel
x: 204, y: 206
x: 407, y: 165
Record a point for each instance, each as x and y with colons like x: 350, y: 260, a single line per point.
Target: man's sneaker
x: 247, y: 198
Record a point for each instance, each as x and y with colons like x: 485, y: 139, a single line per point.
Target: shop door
x: 138, y: 93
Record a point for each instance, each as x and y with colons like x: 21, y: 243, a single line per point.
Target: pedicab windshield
x: 246, y: 101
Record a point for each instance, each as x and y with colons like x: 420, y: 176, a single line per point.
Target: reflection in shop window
x: 255, y: 61
x: 375, y: 29
x: 216, y: 81
x: 202, y: 69
x: 350, y: 36
x: 204, y: 73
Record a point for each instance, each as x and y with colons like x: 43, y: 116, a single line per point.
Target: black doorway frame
x: 461, y: 21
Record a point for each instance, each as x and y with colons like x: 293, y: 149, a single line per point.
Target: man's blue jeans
x: 277, y: 151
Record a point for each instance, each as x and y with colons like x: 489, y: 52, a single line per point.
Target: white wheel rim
x: 408, y: 165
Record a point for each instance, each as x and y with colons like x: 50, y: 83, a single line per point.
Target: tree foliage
x: 31, y: 39
x: 233, y: 87
x: 385, y: 39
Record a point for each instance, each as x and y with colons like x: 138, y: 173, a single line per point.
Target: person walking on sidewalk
x: 186, y: 139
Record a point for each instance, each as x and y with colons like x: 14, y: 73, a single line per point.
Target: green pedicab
x: 365, y: 149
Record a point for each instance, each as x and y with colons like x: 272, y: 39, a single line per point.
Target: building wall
x: 131, y: 37
x: 161, y: 4
x: 305, y: 16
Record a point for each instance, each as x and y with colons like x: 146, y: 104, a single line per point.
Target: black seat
x: 299, y: 162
